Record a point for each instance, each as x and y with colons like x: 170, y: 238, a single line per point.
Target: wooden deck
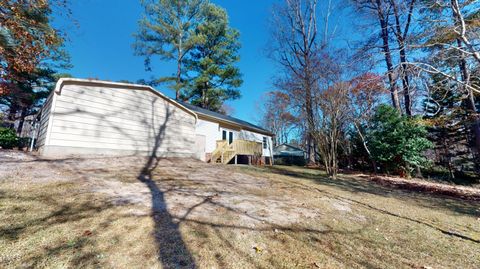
x: 225, y: 152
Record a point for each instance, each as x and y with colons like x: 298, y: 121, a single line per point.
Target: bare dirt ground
x: 171, y: 213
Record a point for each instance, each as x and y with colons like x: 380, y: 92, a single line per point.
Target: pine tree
x: 168, y: 30
x: 449, y: 44
x: 214, y: 76
x: 446, y: 119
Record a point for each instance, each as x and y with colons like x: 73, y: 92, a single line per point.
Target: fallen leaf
x: 87, y: 233
x: 257, y: 249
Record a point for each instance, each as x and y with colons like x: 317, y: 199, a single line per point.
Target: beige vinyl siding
x: 43, y: 125
x: 109, y: 119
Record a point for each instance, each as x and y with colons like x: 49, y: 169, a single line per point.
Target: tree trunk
x: 405, y: 79
x: 364, y: 143
x: 418, y: 173
x: 204, y: 96
x: 388, y: 56
x: 21, y: 120
x: 401, y: 36
x: 178, y: 81
x: 310, y: 150
x: 12, y: 115
x: 470, y: 102
x: 178, y: 85
x: 310, y: 120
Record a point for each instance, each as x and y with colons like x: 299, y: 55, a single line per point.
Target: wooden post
x: 249, y: 159
x: 236, y: 159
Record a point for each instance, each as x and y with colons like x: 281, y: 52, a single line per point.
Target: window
x: 264, y: 142
x: 230, y: 137
x: 224, y: 135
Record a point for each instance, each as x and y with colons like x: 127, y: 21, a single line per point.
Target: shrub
x: 8, y: 138
x: 398, y: 142
x: 23, y: 142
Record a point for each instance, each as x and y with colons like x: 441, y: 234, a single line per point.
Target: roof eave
x: 61, y: 81
x: 264, y: 132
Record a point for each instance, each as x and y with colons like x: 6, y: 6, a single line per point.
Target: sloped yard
x: 132, y: 213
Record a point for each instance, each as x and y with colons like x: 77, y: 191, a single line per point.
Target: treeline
x: 195, y: 34
x: 31, y: 53
x: 403, y: 98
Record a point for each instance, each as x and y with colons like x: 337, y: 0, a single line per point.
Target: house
x: 230, y: 139
x: 109, y: 118
x: 289, y: 154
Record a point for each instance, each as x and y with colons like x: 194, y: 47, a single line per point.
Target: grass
x: 228, y: 217
x: 60, y: 225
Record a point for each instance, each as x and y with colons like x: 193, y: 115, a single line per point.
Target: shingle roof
x: 288, y: 150
x: 245, y: 124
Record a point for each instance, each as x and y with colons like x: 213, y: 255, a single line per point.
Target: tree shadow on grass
x: 172, y: 250
x: 361, y: 186
x: 45, y: 213
x: 430, y: 200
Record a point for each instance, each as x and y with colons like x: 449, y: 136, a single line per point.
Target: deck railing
x: 225, y: 152
x: 245, y: 147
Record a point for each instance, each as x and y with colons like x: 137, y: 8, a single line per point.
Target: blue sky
x: 101, y: 46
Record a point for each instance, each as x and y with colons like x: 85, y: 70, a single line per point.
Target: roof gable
x: 62, y: 81
x: 288, y: 147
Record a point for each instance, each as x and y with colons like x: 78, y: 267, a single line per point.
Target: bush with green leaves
x: 8, y: 138
x: 397, y: 142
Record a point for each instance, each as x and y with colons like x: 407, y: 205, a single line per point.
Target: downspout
x: 271, y: 151
x: 34, y: 133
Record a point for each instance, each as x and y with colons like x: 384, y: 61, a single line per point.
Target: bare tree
x: 276, y: 116
x: 461, y: 26
x: 294, y: 48
x: 401, y: 30
x: 365, y: 94
x: 466, y: 48
x: 333, y: 117
x: 450, y: 35
x: 381, y: 10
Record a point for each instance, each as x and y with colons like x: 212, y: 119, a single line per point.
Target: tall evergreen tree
x: 211, y: 65
x: 450, y: 31
x: 448, y: 126
x: 168, y: 30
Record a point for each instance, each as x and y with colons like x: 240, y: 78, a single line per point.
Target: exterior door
x: 227, y: 135
x: 230, y: 137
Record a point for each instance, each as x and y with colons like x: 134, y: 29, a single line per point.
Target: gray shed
x: 289, y: 154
